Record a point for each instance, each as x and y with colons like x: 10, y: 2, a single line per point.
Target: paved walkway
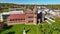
x: 24, y: 32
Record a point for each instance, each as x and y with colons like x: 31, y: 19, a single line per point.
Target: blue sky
x: 31, y: 1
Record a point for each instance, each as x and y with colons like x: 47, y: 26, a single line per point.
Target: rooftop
x: 16, y: 16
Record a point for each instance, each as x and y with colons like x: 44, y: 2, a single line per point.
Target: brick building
x: 29, y: 17
x: 16, y: 18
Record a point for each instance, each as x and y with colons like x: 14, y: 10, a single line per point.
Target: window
x: 23, y: 19
x: 30, y: 21
x: 18, y: 19
x: 30, y: 17
x: 10, y: 19
x: 13, y: 19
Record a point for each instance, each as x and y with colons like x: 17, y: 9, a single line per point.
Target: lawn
x: 43, y: 28
x: 18, y: 29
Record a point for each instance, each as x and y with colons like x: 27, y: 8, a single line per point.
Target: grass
x: 33, y: 29
x: 18, y: 29
x: 43, y: 28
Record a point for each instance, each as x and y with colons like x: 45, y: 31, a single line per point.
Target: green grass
x: 18, y: 29
x: 43, y: 28
x: 33, y: 29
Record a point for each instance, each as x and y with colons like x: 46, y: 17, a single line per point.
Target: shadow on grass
x: 6, y: 27
x: 10, y: 32
x: 28, y: 30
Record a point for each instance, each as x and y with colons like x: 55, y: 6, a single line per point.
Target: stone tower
x: 35, y: 14
x: 31, y: 16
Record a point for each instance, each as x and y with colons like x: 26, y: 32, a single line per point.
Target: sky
x: 31, y: 1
